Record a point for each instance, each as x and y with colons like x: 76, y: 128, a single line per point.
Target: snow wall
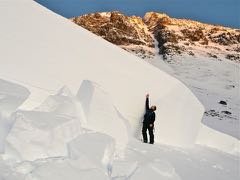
x: 44, y: 51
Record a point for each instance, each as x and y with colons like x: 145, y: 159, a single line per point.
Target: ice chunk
x: 100, y: 113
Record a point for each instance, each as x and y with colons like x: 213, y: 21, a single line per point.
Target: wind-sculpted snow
x: 50, y: 52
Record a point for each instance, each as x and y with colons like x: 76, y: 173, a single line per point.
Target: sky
x: 223, y: 12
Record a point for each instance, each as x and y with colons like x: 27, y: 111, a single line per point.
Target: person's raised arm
x: 147, y: 102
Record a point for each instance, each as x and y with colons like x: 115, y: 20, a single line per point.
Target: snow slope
x: 44, y: 52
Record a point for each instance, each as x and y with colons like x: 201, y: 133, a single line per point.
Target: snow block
x: 63, y: 103
x: 42, y: 134
x: 11, y: 97
x: 100, y: 113
x: 45, y: 133
x: 97, y: 147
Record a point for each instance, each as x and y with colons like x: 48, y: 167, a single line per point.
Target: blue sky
x: 224, y: 12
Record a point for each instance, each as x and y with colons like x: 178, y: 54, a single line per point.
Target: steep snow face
x: 62, y: 53
x: 99, y: 113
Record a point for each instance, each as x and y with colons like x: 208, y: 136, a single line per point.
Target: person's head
x: 153, y: 108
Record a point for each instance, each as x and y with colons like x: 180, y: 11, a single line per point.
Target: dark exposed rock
x: 191, y: 53
x: 227, y: 112
x: 212, y: 113
x: 234, y: 57
x: 190, y: 33
x: 212, y: 55
x: 222, y: 102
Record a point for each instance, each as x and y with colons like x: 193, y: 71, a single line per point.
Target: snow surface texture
x: 54, y: 136
x: 66, y: 54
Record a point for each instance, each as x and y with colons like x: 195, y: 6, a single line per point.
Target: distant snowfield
x: 82, y: 105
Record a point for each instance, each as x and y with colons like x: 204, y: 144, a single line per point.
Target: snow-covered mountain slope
x: 83, y: 115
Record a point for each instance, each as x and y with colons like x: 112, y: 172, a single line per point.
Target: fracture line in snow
x: 50, y: 91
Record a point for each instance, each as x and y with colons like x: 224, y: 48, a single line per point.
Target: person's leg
x: 144, y: 133
x: 150, y: 131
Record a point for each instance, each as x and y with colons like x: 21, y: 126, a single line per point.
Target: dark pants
x: 150, y: 131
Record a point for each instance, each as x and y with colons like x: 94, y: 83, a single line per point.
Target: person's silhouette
x: 148, y: 122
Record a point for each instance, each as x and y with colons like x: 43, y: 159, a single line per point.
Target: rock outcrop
x: 177, y: 36
x: 174, y: 36
x: 130, y: 33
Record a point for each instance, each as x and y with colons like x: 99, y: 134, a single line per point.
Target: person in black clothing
x: 148, y: 122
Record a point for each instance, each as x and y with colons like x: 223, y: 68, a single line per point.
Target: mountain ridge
x: 173, y: 36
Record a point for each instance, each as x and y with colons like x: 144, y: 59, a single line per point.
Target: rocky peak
x: 130, y: 33
x: 154, y: 20
x: 174, y: 36
x: 177, y: 36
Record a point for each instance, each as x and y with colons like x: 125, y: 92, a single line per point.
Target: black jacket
x: 149, y: 116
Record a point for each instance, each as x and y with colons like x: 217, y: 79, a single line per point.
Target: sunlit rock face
x: 130, y: 33
x: 173, y: 36
x: 177, y: 36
